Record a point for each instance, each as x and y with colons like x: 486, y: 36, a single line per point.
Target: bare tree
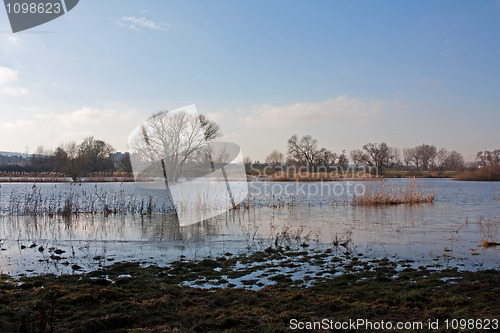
x: 275, y: 158
x: 441, y: 157
x: 73, y: 167
x: 358, y: 157
x: 305, y: 151
x: 454, y: 161
x: 211, y: 129
x: 60, y: 159
x: 408, y: 157
x: 394, y: 157
x: 324, y: 160
x: 425, y: 155
x: 343, y: 161
x: 247, y: 161
x: 94, y: 154
x: 178, y: 140
x: 487, y: 158
x: 380, y: 155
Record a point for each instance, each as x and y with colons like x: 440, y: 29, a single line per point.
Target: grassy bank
x: 128, y: 298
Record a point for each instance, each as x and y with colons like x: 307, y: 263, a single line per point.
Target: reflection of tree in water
x: 165, y: 227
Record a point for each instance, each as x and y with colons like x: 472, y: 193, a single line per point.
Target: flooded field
x: 121, y: 222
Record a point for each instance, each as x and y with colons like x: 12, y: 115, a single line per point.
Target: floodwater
x: 140, y: 226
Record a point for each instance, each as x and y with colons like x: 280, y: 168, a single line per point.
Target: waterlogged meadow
x: 74, y: 228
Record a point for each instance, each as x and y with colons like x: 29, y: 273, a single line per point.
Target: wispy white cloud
x: 8, y: 79
x: 137, y: 23
x: 342, y: 107
x: 85, y: 116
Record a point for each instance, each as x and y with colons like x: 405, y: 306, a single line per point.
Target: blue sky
x: 346, y: 72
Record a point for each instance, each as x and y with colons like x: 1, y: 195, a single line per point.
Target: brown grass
x: 489, y: 173
x: 384, y: 195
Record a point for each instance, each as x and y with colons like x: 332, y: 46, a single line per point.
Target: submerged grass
x: 77, y: 201
x: 126, y: 297
x: 384, y: 195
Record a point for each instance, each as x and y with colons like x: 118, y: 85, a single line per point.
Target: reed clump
x: 388, y: 195
x: 489, y: 173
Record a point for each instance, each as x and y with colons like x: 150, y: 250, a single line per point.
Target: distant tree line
x: 306, y: 153
x: 73, y: 160
x: 179, y: 140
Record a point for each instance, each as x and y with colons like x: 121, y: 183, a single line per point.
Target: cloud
x: 14, y: 91
x: 13, y: 40
x: 342, y: 107
x: 15, y: 125
x: 7, y: 78
x: 87, y: 116
x: 136, y: 23
x: 36, y: 126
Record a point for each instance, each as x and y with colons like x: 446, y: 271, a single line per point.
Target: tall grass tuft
x: 385, y: 195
